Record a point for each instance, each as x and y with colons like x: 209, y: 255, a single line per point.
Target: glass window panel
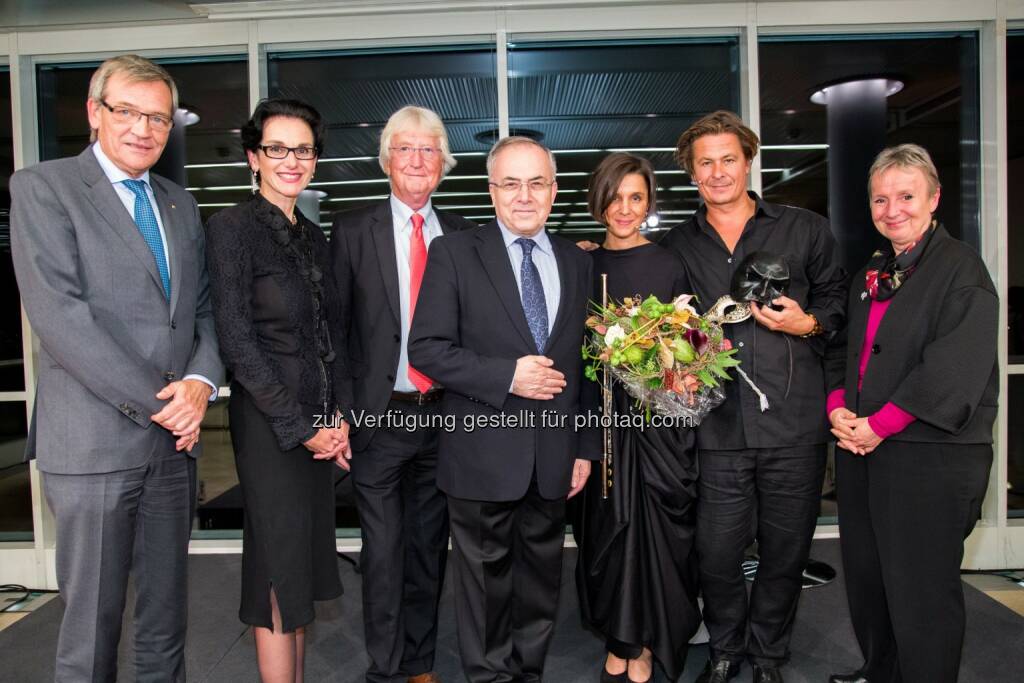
x: 1015, y: 447
x: 937, y: 108
x: 356, y: 91
x: 214, y: 89
x: 584, y: 99
x: 15, y: 489
x: 1015, y: 195
x: 1015, y: 293
x: 12, y: 371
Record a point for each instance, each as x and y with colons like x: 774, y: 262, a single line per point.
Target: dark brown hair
x: 720, y: 122
x: 606, y: 178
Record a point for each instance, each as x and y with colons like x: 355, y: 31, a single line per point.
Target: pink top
x: 890, y: 418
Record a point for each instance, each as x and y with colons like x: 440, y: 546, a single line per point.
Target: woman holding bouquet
x: 279, y: 335
x: 636, y: 575
x: 913, y: 402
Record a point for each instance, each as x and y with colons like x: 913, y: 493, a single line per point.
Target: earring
x: 255, y: 181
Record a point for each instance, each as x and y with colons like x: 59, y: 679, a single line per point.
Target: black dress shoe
x: 767, y: 674
x: 855, y: 677
x: 719, y: 671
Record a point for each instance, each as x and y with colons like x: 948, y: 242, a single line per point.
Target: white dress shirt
x: 116, y: 176
x: 543, y: 256
x: 401, y: 219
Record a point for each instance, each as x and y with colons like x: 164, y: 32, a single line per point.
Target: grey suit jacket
x: 109, y: 340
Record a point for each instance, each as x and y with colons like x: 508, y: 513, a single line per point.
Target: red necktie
x: 417, y: 262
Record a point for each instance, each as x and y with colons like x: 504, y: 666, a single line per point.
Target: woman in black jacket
x: 913, y: 401
x: 279, y: 336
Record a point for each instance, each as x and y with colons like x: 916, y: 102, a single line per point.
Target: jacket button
x: 174, y: 325
x: 169, y: 376
x: 391, y: 378
x: 398, y: 337
x: 876, y: 349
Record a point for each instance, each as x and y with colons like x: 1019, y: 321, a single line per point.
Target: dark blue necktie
x: 150, y: 229
x: 534, y: 305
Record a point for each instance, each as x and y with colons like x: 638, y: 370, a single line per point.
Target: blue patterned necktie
x: 150, y: 229
x: 534, y: 304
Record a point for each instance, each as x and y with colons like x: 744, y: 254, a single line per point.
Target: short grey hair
x: 135, y: 69
x: 906, y: 156
x: 514, y: 140
x: 415, y: 118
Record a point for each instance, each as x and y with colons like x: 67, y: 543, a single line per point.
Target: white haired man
x: 379, y: 253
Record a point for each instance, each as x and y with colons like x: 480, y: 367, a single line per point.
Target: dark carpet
x: 220, y: 649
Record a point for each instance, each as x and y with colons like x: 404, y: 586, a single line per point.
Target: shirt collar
x: 114, y: 174
x: 542, y: 240
x: 761, y: 207
x: 403, y: 212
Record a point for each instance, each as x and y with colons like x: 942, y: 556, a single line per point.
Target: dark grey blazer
x: 934, y: 354
x: 109, y: 340
x: 366, y: 277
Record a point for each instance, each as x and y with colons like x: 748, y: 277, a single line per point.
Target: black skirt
x: 637, y: 571
x: 288, y: 538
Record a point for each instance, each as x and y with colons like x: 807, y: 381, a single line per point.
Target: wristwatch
x: 816, y: 330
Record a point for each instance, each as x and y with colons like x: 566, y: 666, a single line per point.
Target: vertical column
x: 856, y: 134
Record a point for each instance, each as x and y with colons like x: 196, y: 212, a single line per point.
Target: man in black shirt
x: 760, y: 470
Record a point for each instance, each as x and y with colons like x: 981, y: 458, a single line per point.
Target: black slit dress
x: 637, y: 574
x: 275, y: 316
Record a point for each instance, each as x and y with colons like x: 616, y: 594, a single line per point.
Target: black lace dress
x: 274, y: 319
x: 637, y: 572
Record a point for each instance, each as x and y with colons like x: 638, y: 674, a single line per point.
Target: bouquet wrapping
x: 665, y: 355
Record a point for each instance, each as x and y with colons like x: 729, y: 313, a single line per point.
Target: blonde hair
x: 906, y: 156
x: 135, y: 69
x: 415, y: 118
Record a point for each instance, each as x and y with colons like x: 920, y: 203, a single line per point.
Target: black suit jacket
x: 365, y: 274
x: 934, y: 354
x: 470, y: 341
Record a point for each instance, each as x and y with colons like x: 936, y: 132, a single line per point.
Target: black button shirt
x: 788, y: 369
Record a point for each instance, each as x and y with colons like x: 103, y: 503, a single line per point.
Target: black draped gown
x: 637, y: 572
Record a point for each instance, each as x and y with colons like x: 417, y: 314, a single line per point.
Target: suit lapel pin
x: 172, y: 206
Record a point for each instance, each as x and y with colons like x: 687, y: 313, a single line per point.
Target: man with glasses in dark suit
x: 379, y: 253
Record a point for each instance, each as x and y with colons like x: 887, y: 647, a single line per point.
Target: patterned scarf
x: 887, y: 271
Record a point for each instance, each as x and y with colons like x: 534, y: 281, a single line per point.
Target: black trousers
x: 904, y: 512
x: 771, y: 495
x: 507, y: 567
x: 404, y: 523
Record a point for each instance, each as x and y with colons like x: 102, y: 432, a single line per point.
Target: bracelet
x: 816, y: 330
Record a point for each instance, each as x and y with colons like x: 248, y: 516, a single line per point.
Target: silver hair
x: 135, y: 69
x: 415, y: 118
x: 906, y: 156
x: 513, y: 140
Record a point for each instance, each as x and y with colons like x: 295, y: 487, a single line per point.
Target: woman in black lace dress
x: 276, y: 325
x: 636, y: 573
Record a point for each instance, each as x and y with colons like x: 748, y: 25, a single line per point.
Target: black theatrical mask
x: 761, y: 277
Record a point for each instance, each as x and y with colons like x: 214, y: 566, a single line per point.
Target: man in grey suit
x: 110, y: 262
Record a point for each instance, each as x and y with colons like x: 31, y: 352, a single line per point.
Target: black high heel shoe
x: 608, y: 677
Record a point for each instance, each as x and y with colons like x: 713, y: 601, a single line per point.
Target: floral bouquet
x: 666, y: 356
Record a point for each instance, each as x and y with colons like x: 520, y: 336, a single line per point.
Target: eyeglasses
x: 406, y: 151
x: 128, y: 116
x: 512, y: 186
x: 304, y: 152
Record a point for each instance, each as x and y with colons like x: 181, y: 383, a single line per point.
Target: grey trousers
x: 111, y: 525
